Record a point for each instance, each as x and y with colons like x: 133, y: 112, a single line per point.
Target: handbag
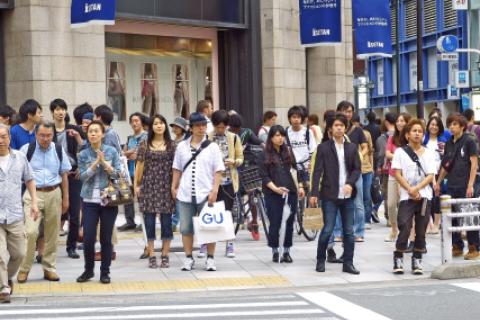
x: 117, y: 193
x: 376, y: 190
x: 213, y: 217
x: 312, y: 219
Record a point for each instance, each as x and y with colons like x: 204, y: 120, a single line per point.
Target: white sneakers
x: 210, y: 265
x: 229, y: 252
x: 188, y: 264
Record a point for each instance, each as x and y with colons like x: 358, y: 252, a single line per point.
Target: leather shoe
x: 105, y: 278
x: 4, y: 298
x: 127, y: 227
x: 276, y: 257
x: 320, y: 266
x: 286, y: 258
x: 349, y: 268
x: 50, y: 276
x: 22, y: 277
x: 73, y: 254
x: 85, y: 276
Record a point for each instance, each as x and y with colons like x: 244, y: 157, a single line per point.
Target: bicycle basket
x: 250, y: 178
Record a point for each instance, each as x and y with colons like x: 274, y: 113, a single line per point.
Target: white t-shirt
x: 410, y: 171
x: 432, y: 145
x: 298, y: 142
x: 4, y: 162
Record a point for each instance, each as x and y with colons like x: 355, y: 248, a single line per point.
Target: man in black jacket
x: 337, y: 168
x: 70, y: 137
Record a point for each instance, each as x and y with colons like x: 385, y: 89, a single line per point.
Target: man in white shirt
x: 269, y: 120
x: 196, y: 182
x: 205, y: 108
x: 414, y: 167
x: 301, y: 140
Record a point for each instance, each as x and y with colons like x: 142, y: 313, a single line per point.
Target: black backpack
x: 33, y: 145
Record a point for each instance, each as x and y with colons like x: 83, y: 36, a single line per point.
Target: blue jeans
x: 367, y: 196
x: 165, y: 225
x: 92, y: 214
x: 359, y: 218
x: 187, y: 211
x: 330, y: 208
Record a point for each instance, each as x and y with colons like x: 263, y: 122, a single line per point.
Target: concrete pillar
x: 283, y: 58
x: 330, y: 69
x: 46, y: 59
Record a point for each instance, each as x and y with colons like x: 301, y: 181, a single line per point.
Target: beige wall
x: 46, y: 59
x: 330, y: 69
x: 284, y: 67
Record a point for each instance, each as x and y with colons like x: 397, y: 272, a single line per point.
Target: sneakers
x: 253, y: 228
x: 229, y: 252
x: 188, y: 264
x: 472, y: 253
x: 203, y: 251
x: 417, y: 266
x: 210, y: 264
x: 391, y: 237
x: 457, y: 251
x: 398, y: 265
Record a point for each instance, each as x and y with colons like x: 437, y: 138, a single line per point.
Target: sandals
x: 165, y: 262
x: 152, y: 263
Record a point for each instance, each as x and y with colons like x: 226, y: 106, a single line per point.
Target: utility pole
x: 420, y: 96
x: 397, y: 51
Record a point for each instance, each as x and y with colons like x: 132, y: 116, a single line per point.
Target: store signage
x: 452, y: 92
x: 89, y: 12
x: 448, y: 56
x: 447, y: 44
x: 460, y: 4
x: 465, y: 101
x: 462, y: 79
x: 320, y: 22
x: 372, y: 26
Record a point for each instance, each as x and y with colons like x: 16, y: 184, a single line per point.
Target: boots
x: 457, y: 251
x: 472, y: 253
x: 398, y: 262
x: 417, y: 263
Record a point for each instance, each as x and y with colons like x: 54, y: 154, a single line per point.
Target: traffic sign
x: 447, y: 44
x: 447, y: 56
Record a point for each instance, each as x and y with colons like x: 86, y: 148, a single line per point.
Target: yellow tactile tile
x: 88, y: 288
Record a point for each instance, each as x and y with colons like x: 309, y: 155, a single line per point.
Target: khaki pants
x: 393, y: 199
x: 50, y: 206
x: 12, y: 252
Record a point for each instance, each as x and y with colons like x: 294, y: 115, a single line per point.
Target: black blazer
x: 327, y: 166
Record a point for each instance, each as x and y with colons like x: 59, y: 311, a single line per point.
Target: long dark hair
x: 285, y: 154
x: 397, y: 141
x: 439, y: 123
x: 166, y: 135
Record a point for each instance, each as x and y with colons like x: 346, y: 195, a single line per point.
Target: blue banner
x: 372, y: 28
x: 88, y: 12
x: 320, y: 22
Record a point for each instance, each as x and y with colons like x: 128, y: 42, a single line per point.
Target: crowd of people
x: 56, y: 171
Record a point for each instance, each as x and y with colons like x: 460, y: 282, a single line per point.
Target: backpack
x: 307, y: 137
x: 33, y: 145
x: 471, y: 133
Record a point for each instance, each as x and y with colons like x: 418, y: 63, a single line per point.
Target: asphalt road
x: 421, y: 299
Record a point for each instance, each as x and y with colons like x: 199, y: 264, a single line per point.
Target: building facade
x: 439, y: 19
x: 163, y: 56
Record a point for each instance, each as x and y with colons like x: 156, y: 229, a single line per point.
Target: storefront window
x: 208, y: 84
x: 149, y: 89
x: 116, y: 89
x: 180, y: 95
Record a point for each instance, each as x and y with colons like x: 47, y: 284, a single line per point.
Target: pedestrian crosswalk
x: 372, y: 303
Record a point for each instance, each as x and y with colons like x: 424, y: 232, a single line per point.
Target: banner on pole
x: 320, y: 22
x: 90, y: 12
x: 372, y: 26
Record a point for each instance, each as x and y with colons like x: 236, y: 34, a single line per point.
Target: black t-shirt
x: 356, y: 136
x: 460, y: 173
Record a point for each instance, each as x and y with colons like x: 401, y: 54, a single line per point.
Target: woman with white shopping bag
x: 279, y: 177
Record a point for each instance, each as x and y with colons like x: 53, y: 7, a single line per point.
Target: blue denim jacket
x: 85, y: 159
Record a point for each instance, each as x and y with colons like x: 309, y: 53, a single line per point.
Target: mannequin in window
x: 180, y: 96
x: 149, y: 94
x: 116, y: 92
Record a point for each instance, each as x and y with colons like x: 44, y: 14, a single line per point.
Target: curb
x: 450, y: 271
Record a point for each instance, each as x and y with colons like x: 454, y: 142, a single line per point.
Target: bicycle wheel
x: 299, y: 217
x: 310, y: 235
x: 259, y: 204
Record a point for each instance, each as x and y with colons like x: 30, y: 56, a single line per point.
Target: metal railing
x: 469, y: 217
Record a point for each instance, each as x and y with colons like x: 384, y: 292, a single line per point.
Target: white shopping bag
x: 203, y: 235
x: 283, y: 227
x: 213, y: 217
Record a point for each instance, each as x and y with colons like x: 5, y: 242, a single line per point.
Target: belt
x: 48, y: 189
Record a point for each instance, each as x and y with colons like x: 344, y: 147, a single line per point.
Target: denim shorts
x: 187, y: 211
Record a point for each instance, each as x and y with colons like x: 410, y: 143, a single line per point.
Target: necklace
x: 158, y: 145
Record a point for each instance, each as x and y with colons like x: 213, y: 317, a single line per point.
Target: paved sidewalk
x: 252, y: 267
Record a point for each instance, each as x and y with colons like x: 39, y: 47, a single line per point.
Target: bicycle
x: 255, y: 203
x: 310, y: 235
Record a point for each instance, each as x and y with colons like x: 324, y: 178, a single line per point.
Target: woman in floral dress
x: 153, y: 180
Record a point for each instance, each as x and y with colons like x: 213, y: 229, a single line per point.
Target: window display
x: 149, y: 89
x: 116, y: 89
x: 180, y: 96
